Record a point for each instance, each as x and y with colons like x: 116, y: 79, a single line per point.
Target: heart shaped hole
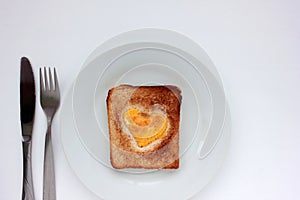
x: 145, y: 127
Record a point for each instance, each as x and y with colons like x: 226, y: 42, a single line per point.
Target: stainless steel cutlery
x: 49, y: 100
x: 27, y: 108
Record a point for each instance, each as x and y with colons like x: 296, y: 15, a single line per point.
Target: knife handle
x: 49, y: 191
x: 27, y: 193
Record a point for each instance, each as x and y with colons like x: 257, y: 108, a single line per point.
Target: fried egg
x: 145, y: 127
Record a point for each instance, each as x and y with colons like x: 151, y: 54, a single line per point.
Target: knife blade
x: 27, y: 109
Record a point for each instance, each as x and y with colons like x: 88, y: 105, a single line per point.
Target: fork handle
x: 49, y: 191
x: 27, y: 193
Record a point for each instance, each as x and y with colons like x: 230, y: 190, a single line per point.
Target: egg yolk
x: 145, y: 127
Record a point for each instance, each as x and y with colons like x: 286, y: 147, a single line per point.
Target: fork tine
x: 51, y: 80
x: 46, y: 79
x: 56, y: 81
x: 42, y: 88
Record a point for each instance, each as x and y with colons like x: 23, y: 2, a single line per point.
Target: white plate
x: 203, y: 104
x: 103, y: 181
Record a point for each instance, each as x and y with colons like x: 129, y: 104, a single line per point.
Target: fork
x: 50, y: 100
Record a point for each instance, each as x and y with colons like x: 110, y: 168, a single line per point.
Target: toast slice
x: 144, y: 126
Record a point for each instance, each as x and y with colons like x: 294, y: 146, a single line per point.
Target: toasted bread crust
x: 123, y: 153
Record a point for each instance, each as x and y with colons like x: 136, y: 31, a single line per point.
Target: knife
x: 27, y: 107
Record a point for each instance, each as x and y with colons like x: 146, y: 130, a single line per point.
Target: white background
x: 254, y: 44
